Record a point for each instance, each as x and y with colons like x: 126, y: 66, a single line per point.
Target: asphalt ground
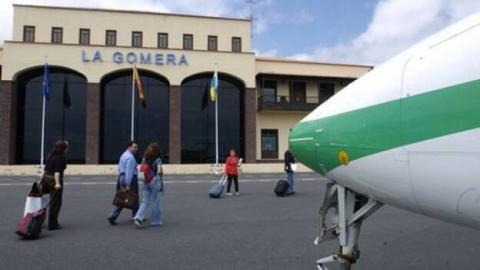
x: 255, y: 230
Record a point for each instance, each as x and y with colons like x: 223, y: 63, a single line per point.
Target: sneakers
x: 137, y: 223
x: 237, y: 193
x: 228, y: 194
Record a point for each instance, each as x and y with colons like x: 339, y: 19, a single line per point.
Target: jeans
x: 290, y: 181
x: 150, y: 194
x: 133, y: 187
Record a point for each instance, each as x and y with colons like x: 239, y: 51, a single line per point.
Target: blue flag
x: 45, y: 82
x: 214, y: 87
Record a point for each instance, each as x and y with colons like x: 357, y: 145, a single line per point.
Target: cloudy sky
x: 347, y: 31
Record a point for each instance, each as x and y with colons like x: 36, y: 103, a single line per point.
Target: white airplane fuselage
x: 408, y: 132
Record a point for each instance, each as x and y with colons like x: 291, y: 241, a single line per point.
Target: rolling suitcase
x: 30, y: 226
x: 216, y: 191
x: 281, y: 188
x: 34, y: 213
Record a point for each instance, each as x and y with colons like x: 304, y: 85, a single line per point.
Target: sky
x: 341, y: 31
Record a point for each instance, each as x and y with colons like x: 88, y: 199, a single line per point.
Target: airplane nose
x: 302, y: 143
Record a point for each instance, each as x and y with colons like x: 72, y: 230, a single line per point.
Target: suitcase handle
x: 223, y: 180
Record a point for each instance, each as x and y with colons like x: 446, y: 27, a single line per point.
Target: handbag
x: 34, y: 201
x: 47, y: 184
x: 125, y: 199
x: 33, y: 204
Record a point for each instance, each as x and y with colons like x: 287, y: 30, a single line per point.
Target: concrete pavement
x: 255, y: 230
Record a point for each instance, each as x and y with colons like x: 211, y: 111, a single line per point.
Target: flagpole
x: 133, y: 105
x: 216, y: 121
x: 44, y: 99
x: 63, y: 107
x: 42, y: 147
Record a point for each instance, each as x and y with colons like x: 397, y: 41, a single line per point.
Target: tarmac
x: 255, y: 230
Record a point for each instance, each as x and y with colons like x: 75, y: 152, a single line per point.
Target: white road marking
x: 203, y: 181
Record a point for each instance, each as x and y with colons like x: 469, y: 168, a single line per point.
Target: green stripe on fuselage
x: 385, y: 126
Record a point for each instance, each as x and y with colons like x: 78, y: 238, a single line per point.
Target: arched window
x: 64, y: 117
x: 198, y: 118
x: 151, y: 122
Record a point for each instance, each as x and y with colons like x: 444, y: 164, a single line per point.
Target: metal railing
x: 284, y: 102
x: 288, y: 99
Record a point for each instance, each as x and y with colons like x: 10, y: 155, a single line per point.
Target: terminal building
x: 91, y: 54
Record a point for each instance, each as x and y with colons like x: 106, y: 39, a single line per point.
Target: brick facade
x: 92, y: 140
x: 250, y: 125
x: 7, y: 122
x: 175, y: 122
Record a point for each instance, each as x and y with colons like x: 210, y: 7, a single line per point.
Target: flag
x: 138, y: 85
x: 66, y: 94
x: 214, y: 87
x: 46, y: 82
x: 205, y: 96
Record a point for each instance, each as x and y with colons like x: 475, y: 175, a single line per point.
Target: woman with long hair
x: 55, y: 165
x: 152, y: 158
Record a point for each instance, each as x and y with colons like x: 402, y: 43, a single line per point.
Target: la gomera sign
x: 144, y: 58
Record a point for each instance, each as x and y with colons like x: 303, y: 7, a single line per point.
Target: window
x: 68, y: 123
x: 326, y: 90
x: 28, y: 33
x: 198, y: 116
x: 111, y: 38
x: 57, y: 34
x: 269, y: 143
x: 236, y: 44
x: 298, y: 92
x: 116, y: 89
x: 136, y: 39
x: 212, y: 43
x: 163, y: 40
x: 269, y: 91
x: 187, y: 42
x: 84, y: 36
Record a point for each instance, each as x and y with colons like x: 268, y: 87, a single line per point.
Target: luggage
x: 125, y: 199
x: 34, y: 213
x: 281, y: 188
x: 34, y: 201
x: 216, y: 191
x: 30, y: 226
x: 33, y: 204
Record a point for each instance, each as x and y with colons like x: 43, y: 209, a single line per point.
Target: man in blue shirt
x: 127, y: 178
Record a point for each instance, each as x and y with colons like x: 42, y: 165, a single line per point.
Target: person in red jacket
x: 231, y: 170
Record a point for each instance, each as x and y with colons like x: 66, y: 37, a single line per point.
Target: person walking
x: 127, y: 179
x: 231, y: 170
x: 55, y: 165
x: 289, y: 160
x: 151, y: 157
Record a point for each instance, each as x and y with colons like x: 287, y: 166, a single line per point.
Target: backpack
x: 146, y: 169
